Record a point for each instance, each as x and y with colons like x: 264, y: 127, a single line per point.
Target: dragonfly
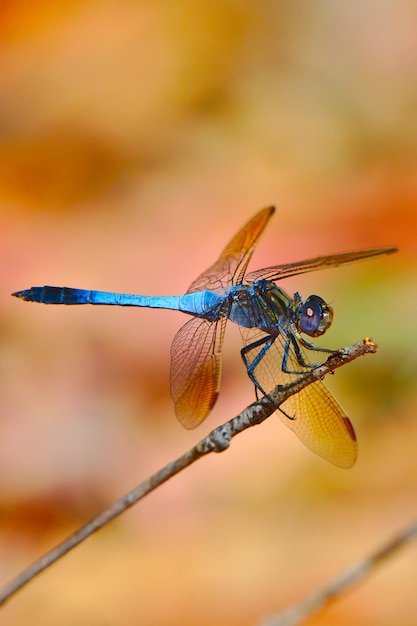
x: 272, y: 325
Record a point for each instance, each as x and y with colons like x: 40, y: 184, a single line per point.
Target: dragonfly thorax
x: 260, y: 305
x: 265, y: 306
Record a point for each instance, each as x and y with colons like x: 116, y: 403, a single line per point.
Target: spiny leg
x: 266, y: 342
x: 291, y: 339
x: 299, y: 355
x: 310, y: 346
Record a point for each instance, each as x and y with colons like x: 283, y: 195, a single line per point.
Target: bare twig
x: 352, y: 576
x: 217, y: 441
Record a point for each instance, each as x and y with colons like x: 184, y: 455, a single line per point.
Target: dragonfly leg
x: 266, y: 342
x: 301, y: 361
x: 310, y: 346
x: 291, y: 340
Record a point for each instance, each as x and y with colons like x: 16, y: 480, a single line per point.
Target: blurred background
x: 135, y: 139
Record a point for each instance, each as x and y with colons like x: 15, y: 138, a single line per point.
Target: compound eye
x: 316, y: 316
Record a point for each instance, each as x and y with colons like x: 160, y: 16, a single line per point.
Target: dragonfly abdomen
x: 197, y: 303
x: 54, y: 295
x: 69, y: 295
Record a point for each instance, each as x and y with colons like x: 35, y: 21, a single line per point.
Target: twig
x: 217, y: 441
x: 352, y: 576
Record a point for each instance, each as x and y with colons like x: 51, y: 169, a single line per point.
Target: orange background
x: 135, y: 139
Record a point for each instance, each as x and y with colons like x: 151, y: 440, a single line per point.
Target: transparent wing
x: 196, y: 349
x: 313, y: 414
x: 277, y: 272
x: 196, y: 369
x: 230, y: 267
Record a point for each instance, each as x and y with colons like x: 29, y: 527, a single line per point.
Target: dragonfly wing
x: 196, y: 369
x: 322, y: 424
x: 313, y: 413
x: 278, y: 272
x: 230, y: 267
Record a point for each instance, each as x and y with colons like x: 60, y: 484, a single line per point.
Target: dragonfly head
x: 315, y: 316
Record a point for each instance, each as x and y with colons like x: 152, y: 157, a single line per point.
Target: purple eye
x: 315, y: 316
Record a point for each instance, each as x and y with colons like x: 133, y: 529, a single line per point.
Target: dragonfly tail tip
x: 24, y: 294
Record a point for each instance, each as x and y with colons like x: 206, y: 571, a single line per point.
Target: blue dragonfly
x: 272, y: 325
